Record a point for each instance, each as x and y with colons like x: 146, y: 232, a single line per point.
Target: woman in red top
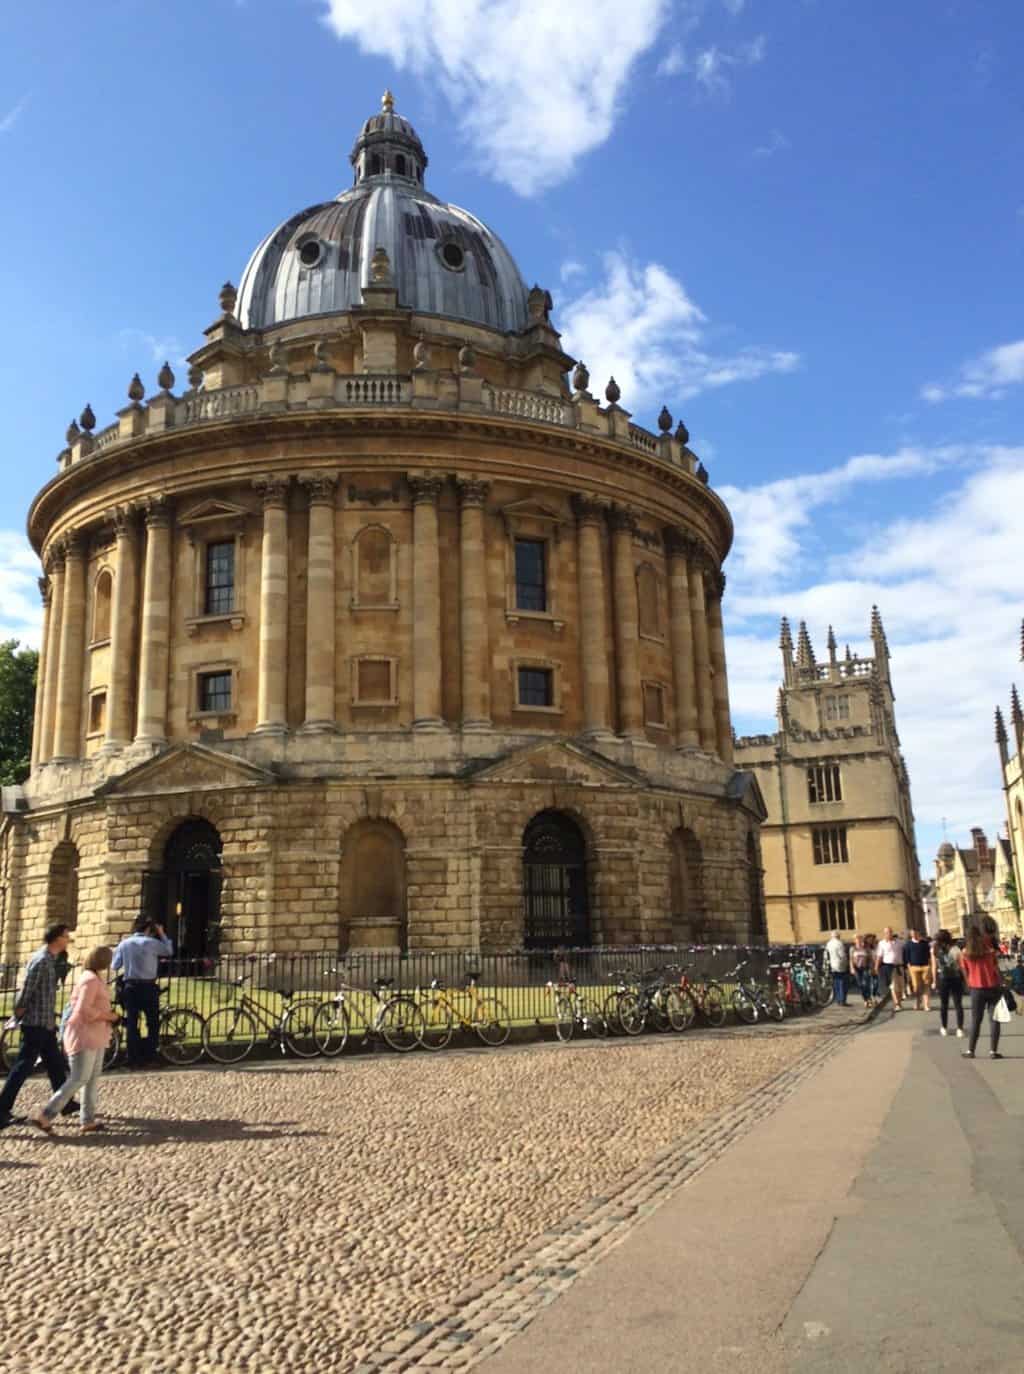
x: 981, y: 969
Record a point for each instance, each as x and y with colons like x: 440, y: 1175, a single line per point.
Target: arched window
x: 62, y: 886
x: 376, y: 166
x: 555, y: 889
x: 374, y: 572
x: 647, y: 601
x: 686, y: 883
x: 373, y: 893
x: 400, y: 165
x: 102, y: 597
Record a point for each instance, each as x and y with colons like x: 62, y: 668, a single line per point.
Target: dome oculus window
x: 452, y: 256
x: 311, y: 253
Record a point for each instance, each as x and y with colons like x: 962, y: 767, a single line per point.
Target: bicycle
x: 573, y: 1010
x: 229, y: 1033
x: 397, y: 1020
x: 649, y: 1001
x: 488, y: 1016
x: 705, y: 996
x: 751, y: 1001
x: 180, y: 1032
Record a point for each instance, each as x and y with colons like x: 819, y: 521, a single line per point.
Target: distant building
x: 1012, y: 767
x: 963, y: 882
x: 930, y: 907
x: 838, y: 844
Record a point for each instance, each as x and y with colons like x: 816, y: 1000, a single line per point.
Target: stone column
x: 155, y: 636
x: 681, y: 638
x: 594, y: 655
x: 476, y: 662
x: 272, y: 686
x: 122, y: 631
x: 51, y: 668
x: 627, y: 628
x: 37, y: 721
x: 67, y: 742
x: 321, y: 605
x: 719, y: 675
x: 426, y: 604
x: 701, y: 651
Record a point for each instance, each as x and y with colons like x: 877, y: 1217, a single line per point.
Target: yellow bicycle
x: 466, y: 1008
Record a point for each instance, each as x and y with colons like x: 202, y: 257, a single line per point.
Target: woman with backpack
x: 981, y: 970
x: 948, y: 977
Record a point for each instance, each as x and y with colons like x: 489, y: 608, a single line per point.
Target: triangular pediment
x: 531, y: 510
x: 213, y: 509
x: 558, y: 761
x: 745, y: 791
x: 188, y: 768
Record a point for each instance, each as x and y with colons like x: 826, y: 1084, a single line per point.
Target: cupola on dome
x: 444, y: 261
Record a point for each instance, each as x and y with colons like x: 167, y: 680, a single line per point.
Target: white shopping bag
x: 1002, y: 1012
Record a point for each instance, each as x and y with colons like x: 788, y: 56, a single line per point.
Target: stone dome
x: 444, y: 261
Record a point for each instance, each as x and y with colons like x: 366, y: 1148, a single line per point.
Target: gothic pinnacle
x: 804, y: 652
x: 785, y: 636
x: 1015, y: 712
x: 831, y: 642
x: 1000, y: 727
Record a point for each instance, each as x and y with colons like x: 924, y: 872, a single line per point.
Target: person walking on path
x: 138, y: 958
x: 981, y: 969
x: 839, y: 963
x: 889, y: 966
x: 871, y: 944
x: 948, y: 977
x: 860, y: 966
x: 35, y: 1010
x: 919, y: 963
x: 86, y: 1037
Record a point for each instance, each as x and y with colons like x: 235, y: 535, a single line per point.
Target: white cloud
x: 12, y: 116
x: 775, y: 143
x: 533, y: 90
x: 673, y: 62
x: 640, y: 326
x: 713, y: 66
x: 21, y: 614
x: 984, y: 377
x: 951, y: 614
x: 161, y: 348
x: 571, y: 269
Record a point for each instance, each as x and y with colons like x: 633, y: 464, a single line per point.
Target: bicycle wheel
x: 681, y: 1009
x: 826, y: 991
x: 592, y: 1018
x: 229, y: 1035
x: 438, y: 1025
x: 631, y: 1015
x: 714, y: 1004
x: 181, y: 1035
x: 400, y: 1021
x: 744, y: 1006
x: 660, y: 1019
x: 297, y: 1029
x: 113, y: 1051
x: 492, y: 1022
x: 611, y: 1013
x: 565, y: 1018
x: 331, y: 1027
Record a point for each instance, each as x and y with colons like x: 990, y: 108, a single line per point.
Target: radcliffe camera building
x: 379, y: 633
x: 839, y: 849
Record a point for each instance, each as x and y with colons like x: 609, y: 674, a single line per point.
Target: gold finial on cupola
x: 387, y: 103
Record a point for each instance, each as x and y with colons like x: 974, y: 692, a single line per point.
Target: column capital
x: 716, y: 581
x: 588, y: 510
x: 677, y: 541
x: 157, y: 511
x: 472, y: 491
x: 53, y: 556
x: 425, y: 488
x: 75, y: 544
x: 622, y: 518
x: 123, y: 519
x: 44, y: 590
x: 319, y: 486
x: 273, y: 489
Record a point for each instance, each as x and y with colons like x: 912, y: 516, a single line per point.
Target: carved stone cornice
x: 677, y: 541
x: 53, y: 557
x: 472, y: 491
x: 426, y: 490
x: 622, y: 518
x: 75, y: 545
x: 320, y: 487
x: 157, y: 511
x: 589, y: 511
x: 716, y: 581
x: 44, y: 590
x: 273, y: 490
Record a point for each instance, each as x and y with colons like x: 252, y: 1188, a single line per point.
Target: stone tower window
x: 374, y: 682
x: 102, y: 598
x: 98, y: 713
x: 829, y: 844
x: 836, y: 913
x: 214, y: 693
x: 536, y: 687
x: 219, y: 597
x: 531, y: 575
x: 654, y: 703
x: 837, y: 707
x: 824, y: 783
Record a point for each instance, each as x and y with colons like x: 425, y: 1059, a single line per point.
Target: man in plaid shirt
x: 35, y: 1010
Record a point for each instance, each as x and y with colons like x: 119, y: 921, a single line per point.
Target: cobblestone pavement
x: 395, y: 1212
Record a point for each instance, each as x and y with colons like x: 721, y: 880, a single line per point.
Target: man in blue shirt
x: 138, y: 957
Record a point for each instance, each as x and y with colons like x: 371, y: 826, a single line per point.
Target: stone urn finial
x: 165, y: 378
x: 664, y: 420
x: 380, y: 267
x: 87, y: 419
x: 612, y: 392
x: 682, y: 434
x: 228, y: 298
x: 195, y: 376
x: 702, y: 473
x: 580, y: 377
x: 72, y: 434
x: 136, y: 390
x: 467, y: 358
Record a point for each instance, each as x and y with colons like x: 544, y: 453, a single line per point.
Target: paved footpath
x: 875, y: 1221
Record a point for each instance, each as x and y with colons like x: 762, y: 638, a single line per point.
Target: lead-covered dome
x: 444, y: 261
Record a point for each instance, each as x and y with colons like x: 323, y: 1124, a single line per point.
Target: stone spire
x: 804, y: 651
x: 786, y: 645
x: 1017, y: 719
x: 833, y: 654
x: 1001, y: 739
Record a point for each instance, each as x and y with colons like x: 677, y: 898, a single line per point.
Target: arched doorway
x: 373, y: 896
x: 686, y: 884
x: 185, y: 896
x: 62, y: 886
x: 555, y: 890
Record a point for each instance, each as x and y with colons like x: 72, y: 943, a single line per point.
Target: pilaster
x: 321, y: 605
x: 156, y: 625
x: 476, y: 665
x: 627, y: 628
x: 590, y: 519
x: 426, y: 594
x: 272, y: 672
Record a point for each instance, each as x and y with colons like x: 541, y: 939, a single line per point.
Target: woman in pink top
x: 86, y: 1036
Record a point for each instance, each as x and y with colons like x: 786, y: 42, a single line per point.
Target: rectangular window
x: 220, y: 579
x: 531, y: 575
x: 373, y: 681
x: 214, y: 692
x: 654, y: 704
x: 823, y: 783
x: 837, y: 708
x: 830, y: 845
x: 536, y: 687
x: 97, y: 713
x: 836, y: 913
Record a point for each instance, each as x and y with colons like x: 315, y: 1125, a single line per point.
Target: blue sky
x: 799, y: 224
